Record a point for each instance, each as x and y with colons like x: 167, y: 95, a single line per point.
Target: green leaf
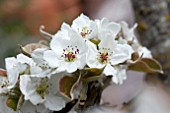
x: 15, y: 104
x: 92, y: 74
x: 3, y: 73
x: 67, y: 85
x: 96, y: 42
x: 135, y: 56
x: 146, y: 65
x: 15, y: 98
x: 94, y: 71
x: 12, y: 103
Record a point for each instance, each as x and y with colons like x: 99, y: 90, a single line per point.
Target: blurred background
x: 20, y: 21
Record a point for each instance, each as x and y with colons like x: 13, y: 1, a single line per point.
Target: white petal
x: 59, y: 43
x: 54, y: 102
x: 36, y: 99
x: 107, y: 42
x: 28, y: 107
x: 65, y: 27
x: 115, y: 79
x: 93, y: 28
x: 144, y: 52
x: 127, y: 32
x: 81, y: 62
x: 37, y: 55
x: 92, y: 61
x: 80, y: 22
x: 51, y: 58
x: 28, y: 87
x: 106, y: 26
x: 125, y: 27
x: 121, y: 74
x: 42, y: 109
x: 13, y: 76
x: 109, y: 70
x: 10, y: 62
x: 35, y: 70
x: 115, y: 28
x: 23, y: 84
x: 62, y: 67
x: 24, y: 59
x: 77, y: 40
x: 72, y: 67
x: 54, y: 81
x: 121, y: 54
x: 21, y: 67
x: 63, y: 33
x: 24, y: 81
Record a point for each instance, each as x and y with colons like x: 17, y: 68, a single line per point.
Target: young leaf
x: 94, y: 71
x: 15, y: 98
x: 135, y: 56
x: 67, y: 85
x: 92, y: 74
x: 146, y: 65
x: 96, y: 42
x: 29, y: 48
x: 12, y: 103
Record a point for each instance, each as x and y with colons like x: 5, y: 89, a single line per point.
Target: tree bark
x: 153, y: 20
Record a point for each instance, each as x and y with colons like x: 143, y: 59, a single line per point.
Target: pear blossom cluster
x: 85, y: 44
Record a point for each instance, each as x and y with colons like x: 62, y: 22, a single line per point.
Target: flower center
x: 85, y: 31
x: 42, y: 88
x: 70, y: 53
x: 103, y: 56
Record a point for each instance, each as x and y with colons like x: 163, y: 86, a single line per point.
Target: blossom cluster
x: 33, y: 78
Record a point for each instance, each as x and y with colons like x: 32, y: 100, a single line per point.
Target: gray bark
x: 153, y: 21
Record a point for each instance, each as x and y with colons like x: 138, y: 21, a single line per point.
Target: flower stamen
x: 42, y: 88
x: 70, y: 54
x: 85, y: 31
x: 103, y: 57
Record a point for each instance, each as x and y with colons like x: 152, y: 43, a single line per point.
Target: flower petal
x: 24, y: 59
x: 28, y: 87
x: 51, y: 58
x: 92, y: 61
x: 28, y: 107
x: 109, y: 70
x: 121, y: 54
x: 54, y: 102
x: 72, y: 67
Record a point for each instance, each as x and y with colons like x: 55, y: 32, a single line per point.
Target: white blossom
x: 85, y: 27
x: 128, y: 33
x: 14, y: 67
x: 42, y: 91
x: 67, y: 54
x: 104, y: 26
x: 40, y: 67
x: 108, y: 55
